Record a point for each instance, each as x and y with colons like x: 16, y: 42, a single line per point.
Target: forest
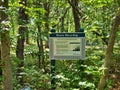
x: 25, y: 26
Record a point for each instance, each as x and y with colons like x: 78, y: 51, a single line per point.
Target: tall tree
x: 76, y: 13
x: 47, y: 13
x: 109, y: 51
x: 39, y: 37
x: 5, y: 47
x: 22, y: 19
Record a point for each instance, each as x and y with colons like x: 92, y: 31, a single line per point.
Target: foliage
x: 35, y: 79
x: 97, y: 16
x: 79, y: 75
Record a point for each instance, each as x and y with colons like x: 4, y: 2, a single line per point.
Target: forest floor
x: 116, y: 77
x: 116, y: 84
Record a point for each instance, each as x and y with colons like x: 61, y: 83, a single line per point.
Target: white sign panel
x: 67, y: 46
x: 70, y: 46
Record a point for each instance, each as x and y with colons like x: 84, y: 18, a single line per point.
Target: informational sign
x: 67, y: 46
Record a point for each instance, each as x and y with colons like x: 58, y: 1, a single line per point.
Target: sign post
x: 65, y: 46
x: 53, y: 86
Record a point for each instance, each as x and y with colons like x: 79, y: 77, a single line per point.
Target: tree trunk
x: 20, y: 44
x: 5, y: 48
x: 20, y: 51
x: 27, y: 36
x: 41, y: 50
x: 3, y: 5
x: 23, y: 17
x: 0, y: 63
x: 47, y: 28
x: 5, y: 55
x: 47, y: 13
x: 39, y: 47
x: 62, y: 19
x: 39, y: 38
x: 74, y: 4
x: 109, y: 51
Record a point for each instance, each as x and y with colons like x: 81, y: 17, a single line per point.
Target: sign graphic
x: 67, y: 46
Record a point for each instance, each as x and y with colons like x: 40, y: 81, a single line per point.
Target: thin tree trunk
x: 63, y: 19
x: 5, y: 55
x: 20, y: 44
x: 40, y: 48
x: 47, y: 28
x: 0, y: 63
x: 20, y: 51
x: 47, y: 13
x: 27, y: 36
x: 39, y: 39
x: 22, y: 19
x: 109, y: 51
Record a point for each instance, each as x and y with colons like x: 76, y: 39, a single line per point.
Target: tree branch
x: 77, y: 10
